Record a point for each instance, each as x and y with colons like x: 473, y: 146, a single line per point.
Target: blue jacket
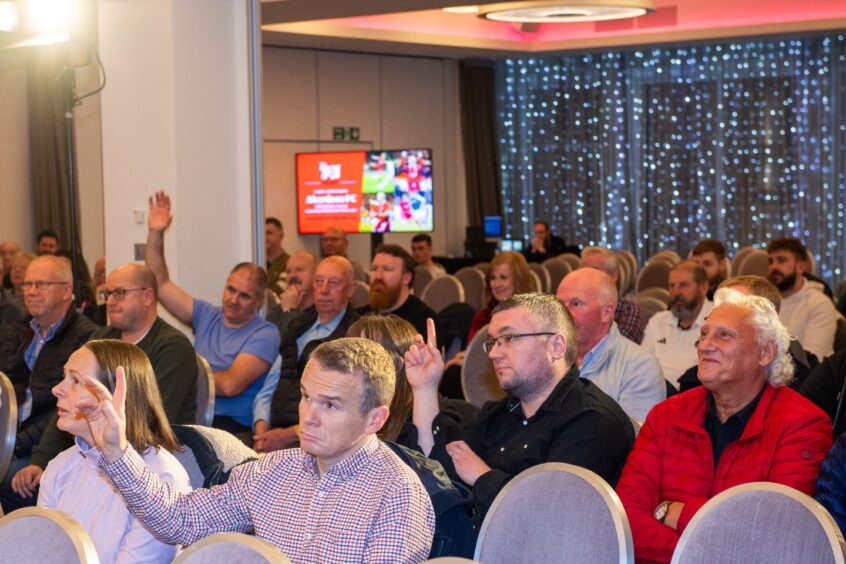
x: 831, y: 484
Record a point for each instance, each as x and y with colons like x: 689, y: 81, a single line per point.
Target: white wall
x: 395, y: 101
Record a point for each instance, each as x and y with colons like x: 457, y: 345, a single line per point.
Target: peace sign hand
x: 106, y: 415
x: 424, y: 364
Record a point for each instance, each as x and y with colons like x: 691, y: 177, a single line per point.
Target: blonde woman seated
x: 72, y: 482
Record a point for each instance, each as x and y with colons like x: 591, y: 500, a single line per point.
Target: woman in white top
x: 72, y: 482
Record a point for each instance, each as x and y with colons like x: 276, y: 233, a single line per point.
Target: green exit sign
x: 345, y: 134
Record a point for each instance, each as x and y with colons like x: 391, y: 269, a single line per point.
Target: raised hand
x: 158, y: 215
x: 106, y: 415
x: 424, y: 364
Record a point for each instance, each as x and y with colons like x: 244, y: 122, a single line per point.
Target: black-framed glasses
x: 118, y: 293
x: 40, y: 285
x: 504, y: 340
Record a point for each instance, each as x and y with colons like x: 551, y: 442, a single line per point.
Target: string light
x: 646, y: 149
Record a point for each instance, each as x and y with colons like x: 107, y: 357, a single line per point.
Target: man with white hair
x: 743, y: 425
x: 627, y: 315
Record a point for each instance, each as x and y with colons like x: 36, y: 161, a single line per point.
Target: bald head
x: 591, y: 297
x: 138, y: 275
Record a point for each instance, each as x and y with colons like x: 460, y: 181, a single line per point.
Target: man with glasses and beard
x: 805, y: 310
x: 671, y: 335
x: 549, y: 415
x: 391, y: 277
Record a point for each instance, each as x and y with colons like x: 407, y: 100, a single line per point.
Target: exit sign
x: 345, y: 133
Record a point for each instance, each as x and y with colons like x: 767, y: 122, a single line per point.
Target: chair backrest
x: 8, y: 423
x: 648, y: 305
x: 449, y: 560
x: 630, y: 260
x: 756, y: 262
x: 205, y: 392
x: 760, y: 522
x: 656, y: 273
x: 573, y: 260
x: 478, y: 379
x: 557, y: 269
x: 543, y: 276
x: 482, y: 266
x: 593, y: 524
x: 473, y: 282
x: 361, y: 295
x: 231, y: 547
x: 422, y: 277
x: 662, y: 294
x: 637, y: 424
x: 443, y: 291
x: 34, y: 535
x: 227, y: 447
x: 360, y: 272
x: 536, y: 281
x: 667, y: 254
x: 738, y: 257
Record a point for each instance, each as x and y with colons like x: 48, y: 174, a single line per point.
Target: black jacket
x: 284, y: 408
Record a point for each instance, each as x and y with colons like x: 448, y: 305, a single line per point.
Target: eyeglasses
x: 119, y: 293
x: 333, y: 283
x: 504, y: 340
x: 40, y: 285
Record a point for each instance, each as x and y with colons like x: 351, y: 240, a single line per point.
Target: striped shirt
x: 370, y: 507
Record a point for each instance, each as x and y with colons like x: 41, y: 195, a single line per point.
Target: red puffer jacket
x: 785, y: 442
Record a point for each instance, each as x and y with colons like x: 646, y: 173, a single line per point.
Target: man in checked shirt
x: 342, y: 497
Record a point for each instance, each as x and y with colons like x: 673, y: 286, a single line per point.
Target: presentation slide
x: 329, y: 191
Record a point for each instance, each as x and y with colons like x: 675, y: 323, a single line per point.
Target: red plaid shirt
x: 370, y: 507
x: 629, y: 320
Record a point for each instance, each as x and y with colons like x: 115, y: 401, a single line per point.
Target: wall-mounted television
x: 387, y: 191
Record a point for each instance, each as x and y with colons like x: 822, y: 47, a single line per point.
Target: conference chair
x: 473, y: 282
x: 209, y: 454
x: 482, y: 266
x: 738, y: 258
x: 656, y: 274
x: 655, y: 292
x: 442, y: 292
x: 667, y: 254
x: 637, y: 424
x: 205, y: 392
x: 557, y: 269
x: 756, y: 262
x: 478, y: 379
x: 361, y: 295
x: 449, y: 560
x: 9, y: 422
x: 536, y: 281
x: 543, y: 277
x: 422, y: 277
x: 34, y: 535
x: 565, y: 514
x: 629, y: 259
x: 648, y: 305
x: 231, y: 547
x: 361, y: 272
x: 760, y: 522
x: 625, y: 274
x: 573, y: 260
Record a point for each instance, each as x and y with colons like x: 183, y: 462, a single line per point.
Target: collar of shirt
x: 597, y: 351
x: 89, y: 453
x: 346, y: 468
x: 319, y: 330
x: 34, y: 348
x: 556, y: 398
x: 723, y: 434
x: 51, y: 331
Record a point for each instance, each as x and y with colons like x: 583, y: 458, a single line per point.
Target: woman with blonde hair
x: 508, y: 274
x: 72, y: 482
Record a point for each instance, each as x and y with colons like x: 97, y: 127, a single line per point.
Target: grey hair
x: 549, y: 313
x: 612, y: 263
x: 768, y: 328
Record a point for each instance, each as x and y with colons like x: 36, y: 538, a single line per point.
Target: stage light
x: 50, y: 17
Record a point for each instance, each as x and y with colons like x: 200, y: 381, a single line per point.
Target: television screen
x: 493, y: 226
x: 365, y: 191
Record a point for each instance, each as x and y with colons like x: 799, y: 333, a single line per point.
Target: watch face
x: 661, y: 511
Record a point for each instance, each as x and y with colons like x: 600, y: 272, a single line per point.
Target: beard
x: 382, y: 297
x: 685, y: 310
x: 783, y: 282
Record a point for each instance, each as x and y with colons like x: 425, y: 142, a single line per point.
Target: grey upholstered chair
x: 760, y: 522
x: 755, y: 263
x: 478, y: 379
x: 361, y: 295
x: 443, y: 291
x: 671, y: 256
x: 572, y: 259
x: 231, y: 547
x: 473, y: 281
x: 543, y: 276
x: 565, y: 514
x: 739, y: 257
x: 35, y: 535
x: 8, y: 423
x: 557, y: 269
x: 422, y: 277
x: 205, y: 392
x: 628, y: 258
x: 656, y: 273
x: 482, y: 267
x: 655, y: 292
x: 449, y: 560
x: 648, y: 305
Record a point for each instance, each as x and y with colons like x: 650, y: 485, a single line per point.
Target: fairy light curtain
x: 658, y: 148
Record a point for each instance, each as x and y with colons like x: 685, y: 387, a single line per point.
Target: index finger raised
x: 432, y: 338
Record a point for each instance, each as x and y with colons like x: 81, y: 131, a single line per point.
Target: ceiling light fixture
x: 564, y: 11
x: 462, y: 9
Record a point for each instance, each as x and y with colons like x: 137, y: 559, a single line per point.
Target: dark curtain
x: 47, y: 84
x: 479, y: 133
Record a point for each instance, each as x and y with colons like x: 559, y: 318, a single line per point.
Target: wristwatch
x: 660, y: 512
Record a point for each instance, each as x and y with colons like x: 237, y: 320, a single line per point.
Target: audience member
x: 239, y: 346
x: 327, y: 320
x: 826, y: 388
x: 803, y: 362
x: 8, y: 250
x: 549, y: 415
x: 742, y: 426
x: 276, y: 256
x: 364, y: 504
x: 47, y: 243
x: 806, y: 312
x: 73, y: 484
x: 99, y: 274
x: 544, y: 244
x: 831, y: 484
x: 627, y: 316
x: 298, y: 294
x: 671, y: 335
x: 421, y: 250
x: 83, y: 287
x: 508, y: 274
x: 391, y: 277
x: 334, y: 242
x: 712, y: 256
x: 17, y: 272
x: 620, y: 367
x: 33, y: 353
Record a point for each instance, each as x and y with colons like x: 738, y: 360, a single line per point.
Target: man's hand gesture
x: 424, y: 364
x: 158, y: 216
x: 106, y: 415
